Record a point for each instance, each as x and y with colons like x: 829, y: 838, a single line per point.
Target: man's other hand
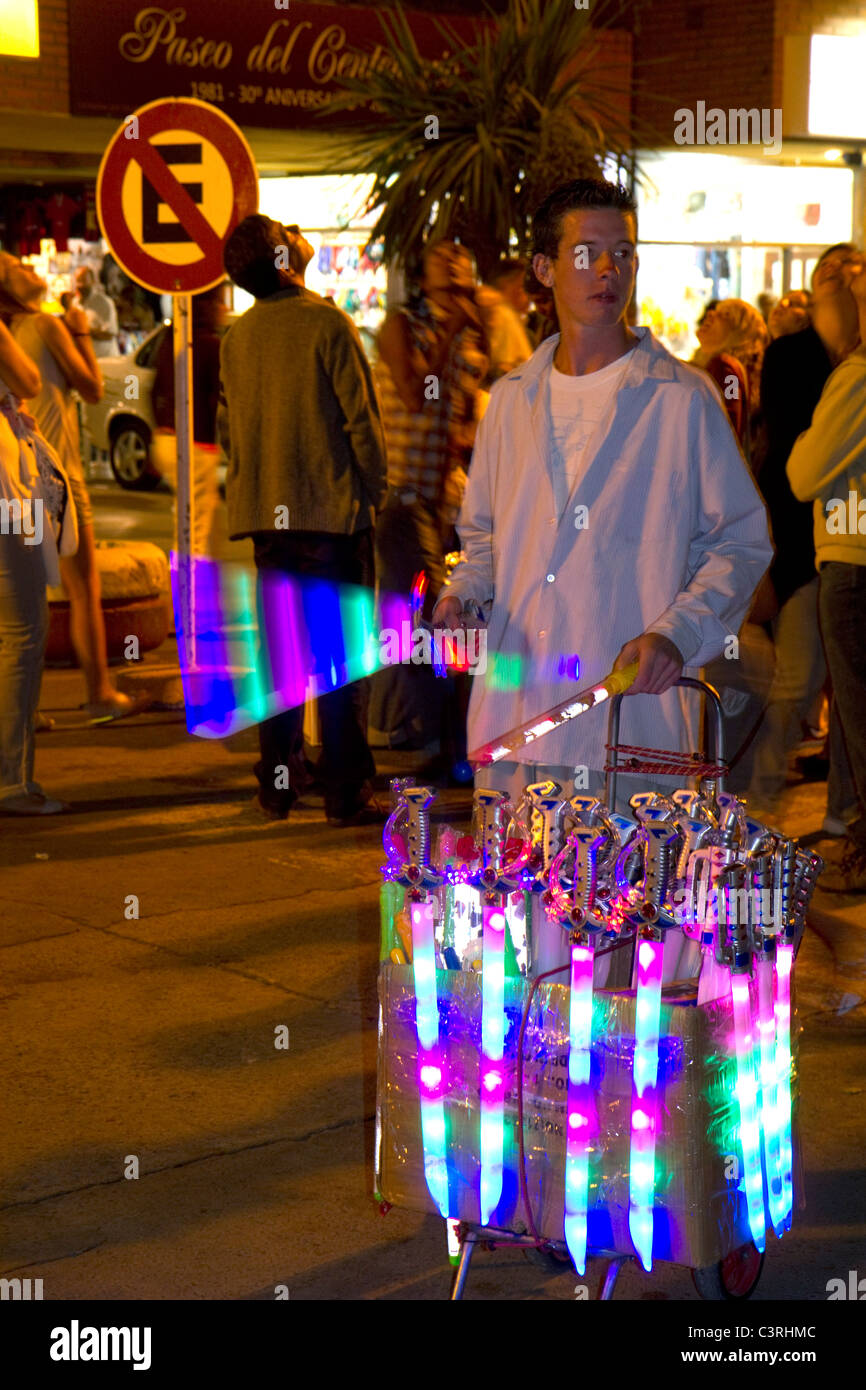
x: 661, y: 663
x: 448, y: 613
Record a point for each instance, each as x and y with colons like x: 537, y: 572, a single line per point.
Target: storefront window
x: 719, y: 226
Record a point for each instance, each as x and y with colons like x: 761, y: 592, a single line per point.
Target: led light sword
x: 739, y: 956
x: 782, y: 1015
x: 798, y: 871
x: 657, y: 844
x: 420, y: 878
x: 578, y: 911
x: 490, y: 879
x: 765, y: 930
x: 613, y: 684
x: 786, y: 866
x: 547, y: 808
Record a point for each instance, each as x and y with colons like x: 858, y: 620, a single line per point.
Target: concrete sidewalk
x: 155, y: 938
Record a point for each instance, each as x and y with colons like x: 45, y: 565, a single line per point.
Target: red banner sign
x: 264, y: 65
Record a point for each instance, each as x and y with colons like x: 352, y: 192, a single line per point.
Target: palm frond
x: 520, y: 107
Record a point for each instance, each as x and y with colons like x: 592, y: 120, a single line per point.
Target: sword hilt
x: 490, y: 823
x: 738, y: 934
x: 418, y: 872
x: 578, y: 907
x: 546, y: 812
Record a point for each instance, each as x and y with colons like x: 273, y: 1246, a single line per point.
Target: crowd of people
x: 607, y: 502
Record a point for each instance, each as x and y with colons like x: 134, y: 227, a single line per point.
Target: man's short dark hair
x: 250, y: 255
x: 571, y: 197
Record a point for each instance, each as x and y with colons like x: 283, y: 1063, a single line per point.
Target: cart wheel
x: 736, y: 1276
x: 551, y: 1259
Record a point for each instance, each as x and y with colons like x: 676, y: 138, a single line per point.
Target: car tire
x: 130, y: 457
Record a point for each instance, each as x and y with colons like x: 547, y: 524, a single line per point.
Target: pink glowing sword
x: 583, y: 918
x: 616, y: 683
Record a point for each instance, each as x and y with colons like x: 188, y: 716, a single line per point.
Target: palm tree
x: 467, y: 146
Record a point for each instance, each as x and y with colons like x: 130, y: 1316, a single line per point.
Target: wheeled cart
x: 591, y: 1133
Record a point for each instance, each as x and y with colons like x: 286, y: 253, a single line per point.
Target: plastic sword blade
x: 581, y: 1103
x: 644, y: 1107
x: 613, y: 684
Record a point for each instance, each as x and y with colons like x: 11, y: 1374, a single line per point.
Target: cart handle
x: 711, y: 694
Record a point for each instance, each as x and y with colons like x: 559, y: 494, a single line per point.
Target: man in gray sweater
x: 300, y: 425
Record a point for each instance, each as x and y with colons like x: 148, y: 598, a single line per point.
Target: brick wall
x: 40, y: 84
x: 685, y: 52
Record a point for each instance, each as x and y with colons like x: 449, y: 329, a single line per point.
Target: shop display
x: 668, y: 1133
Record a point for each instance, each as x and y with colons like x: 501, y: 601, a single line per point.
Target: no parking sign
x: 174, y: 182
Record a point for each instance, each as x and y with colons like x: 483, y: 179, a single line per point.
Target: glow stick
x: 769, y: 1090
x: 782, y: 1008
x: 581, y: 1104
x: 492, y: 1050
x: 644, y: 1108
x: 430, y: 1068
x: 613, y: 684
x: 747, y: 1095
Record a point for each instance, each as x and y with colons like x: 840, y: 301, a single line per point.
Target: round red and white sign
x: 174, y: 182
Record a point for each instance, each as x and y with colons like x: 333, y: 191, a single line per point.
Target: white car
x: 122, y: 423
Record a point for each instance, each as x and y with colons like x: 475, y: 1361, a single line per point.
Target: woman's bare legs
x: 87, y: 625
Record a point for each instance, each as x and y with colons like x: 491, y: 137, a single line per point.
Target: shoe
x: 272, y: 812
x: 31, y: 804
x: 120, y: 706
x: 814, y: 768
x: 832, y: 825
x: 849, y: 875
x: 366, y: 812
x: 43, y: 723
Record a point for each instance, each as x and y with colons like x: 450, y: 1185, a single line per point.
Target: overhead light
x: 832, y: 154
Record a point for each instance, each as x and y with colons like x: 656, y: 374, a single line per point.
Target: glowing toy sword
x: 766, y: 929
x: 657, y: 843
x: 577, y: 912
x: 419, y: 877
x: 739, y: 957
x: 491, y: 880
x: 614, y: 684
x: 799, y: 873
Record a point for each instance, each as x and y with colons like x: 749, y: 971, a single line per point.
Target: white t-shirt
x: 578, y: 404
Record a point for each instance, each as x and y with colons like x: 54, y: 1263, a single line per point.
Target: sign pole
x: 183, y: 424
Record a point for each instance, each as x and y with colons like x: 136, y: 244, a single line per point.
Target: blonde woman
x: 733, y: 329
x: 38, y: 522
x: 63, y: 353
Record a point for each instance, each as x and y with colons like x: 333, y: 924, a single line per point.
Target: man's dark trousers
x: 346, y: 762
x: 842, y: 609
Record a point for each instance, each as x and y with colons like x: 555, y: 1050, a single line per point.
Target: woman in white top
x: 64, y: 356
x: 37, y: 517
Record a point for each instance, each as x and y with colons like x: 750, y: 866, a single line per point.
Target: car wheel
x: 130, y: 458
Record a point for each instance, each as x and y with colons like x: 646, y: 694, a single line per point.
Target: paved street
x: 155, y: 938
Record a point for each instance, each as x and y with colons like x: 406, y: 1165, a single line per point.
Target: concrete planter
x: 134, y: 578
